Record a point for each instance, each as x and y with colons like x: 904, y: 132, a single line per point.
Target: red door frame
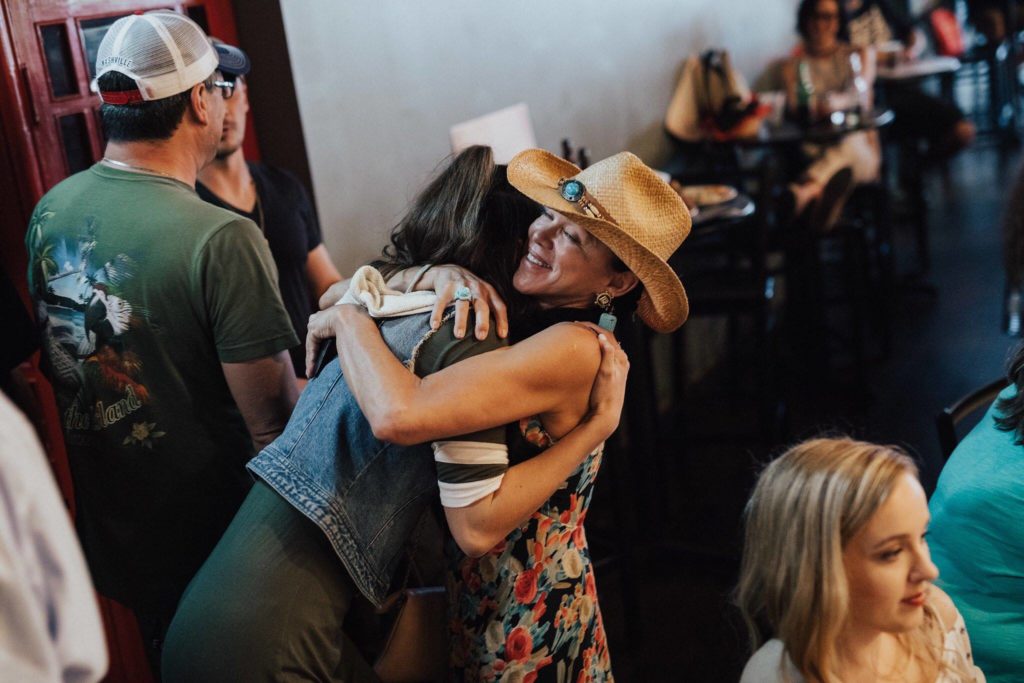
x: 31, y: 162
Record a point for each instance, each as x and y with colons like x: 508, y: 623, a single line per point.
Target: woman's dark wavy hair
x: 470, y: 216
x: 1010, y: 411
x: 806, y: 10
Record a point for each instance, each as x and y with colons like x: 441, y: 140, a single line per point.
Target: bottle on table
x: 804, y: 93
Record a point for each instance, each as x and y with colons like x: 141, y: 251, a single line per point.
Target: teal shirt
x: 977, y: 542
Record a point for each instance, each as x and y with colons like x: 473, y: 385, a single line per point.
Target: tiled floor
x: 681, y: 626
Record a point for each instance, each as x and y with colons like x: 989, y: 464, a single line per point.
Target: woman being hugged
x: 836, y: 568
x: 839, y: 72
x: 522, y: 589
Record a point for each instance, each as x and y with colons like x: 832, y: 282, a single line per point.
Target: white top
x: 50, y: 627
x: 771, y: 664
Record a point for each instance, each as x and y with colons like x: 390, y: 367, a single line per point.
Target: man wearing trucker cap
x: 163, y: 329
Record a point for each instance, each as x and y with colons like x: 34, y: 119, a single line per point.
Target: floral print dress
x: 527, y: 610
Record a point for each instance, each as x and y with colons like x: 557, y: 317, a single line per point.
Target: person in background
x: 991, y: 18
x: 163, y: 331
x: 834, y: 71
x: 836, y: 569
x: 977, y: 540
x: 872, y: 23
x: 278, y: 204
x: 50, y: 628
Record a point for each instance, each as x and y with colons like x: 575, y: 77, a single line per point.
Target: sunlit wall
x: 380, y: 82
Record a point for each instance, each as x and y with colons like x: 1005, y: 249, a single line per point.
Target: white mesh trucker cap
x: 164, y: 52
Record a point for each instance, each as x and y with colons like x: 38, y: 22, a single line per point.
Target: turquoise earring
x: 607, y: 319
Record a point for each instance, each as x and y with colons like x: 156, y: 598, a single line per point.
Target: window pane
x: 93, y: 31
x: 75, y: 139
x: 58, y: 60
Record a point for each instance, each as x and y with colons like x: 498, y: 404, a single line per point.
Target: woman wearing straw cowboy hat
x: 522, y: 590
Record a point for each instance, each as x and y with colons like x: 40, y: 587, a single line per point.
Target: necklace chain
x: 138, y: 169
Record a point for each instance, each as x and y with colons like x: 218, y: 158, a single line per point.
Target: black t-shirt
x: 291, y: 228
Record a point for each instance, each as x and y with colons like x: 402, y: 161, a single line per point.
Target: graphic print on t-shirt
x: 84, y: 316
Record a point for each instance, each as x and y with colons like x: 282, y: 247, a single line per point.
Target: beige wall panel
x: 380, y: 82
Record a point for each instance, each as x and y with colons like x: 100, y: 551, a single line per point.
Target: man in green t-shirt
x: 163, y: 329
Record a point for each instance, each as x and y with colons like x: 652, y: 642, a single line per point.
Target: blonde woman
x: 836, y: 567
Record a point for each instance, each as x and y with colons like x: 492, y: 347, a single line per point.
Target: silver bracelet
x: 419, y: 275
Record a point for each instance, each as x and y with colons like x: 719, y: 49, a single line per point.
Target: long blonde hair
x: 806, y: 506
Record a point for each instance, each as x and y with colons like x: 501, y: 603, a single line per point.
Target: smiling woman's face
x: 888, y: 565
x: 564, y: 266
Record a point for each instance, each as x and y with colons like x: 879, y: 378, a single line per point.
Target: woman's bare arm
x: 480, y: 526
x: 321, y: 272
x: 550, y: 373
x: 560, y: 373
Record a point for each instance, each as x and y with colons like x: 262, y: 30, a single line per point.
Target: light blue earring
x: 607, y: 319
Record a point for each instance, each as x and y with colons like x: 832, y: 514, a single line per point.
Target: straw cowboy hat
x: 625, y: 205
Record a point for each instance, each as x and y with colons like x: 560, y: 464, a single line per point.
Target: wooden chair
x: 950, y: 417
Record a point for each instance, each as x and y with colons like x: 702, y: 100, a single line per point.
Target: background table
x: 713, y: 216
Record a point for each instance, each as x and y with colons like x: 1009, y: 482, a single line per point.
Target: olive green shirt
x: 142, y: 290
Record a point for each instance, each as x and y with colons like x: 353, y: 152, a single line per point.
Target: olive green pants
x: 269, y: 604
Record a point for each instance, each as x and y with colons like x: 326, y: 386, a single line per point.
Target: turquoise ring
x: 463, y: 294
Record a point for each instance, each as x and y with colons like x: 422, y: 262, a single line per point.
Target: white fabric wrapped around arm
x: 469, y: 470
x: 369, y: 290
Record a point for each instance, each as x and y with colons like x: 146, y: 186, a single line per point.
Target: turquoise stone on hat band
x: 572, y: 190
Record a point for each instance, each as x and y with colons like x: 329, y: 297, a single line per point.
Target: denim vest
x: 368, y: 496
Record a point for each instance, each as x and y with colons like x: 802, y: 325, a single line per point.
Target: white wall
x: 379, y: 83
